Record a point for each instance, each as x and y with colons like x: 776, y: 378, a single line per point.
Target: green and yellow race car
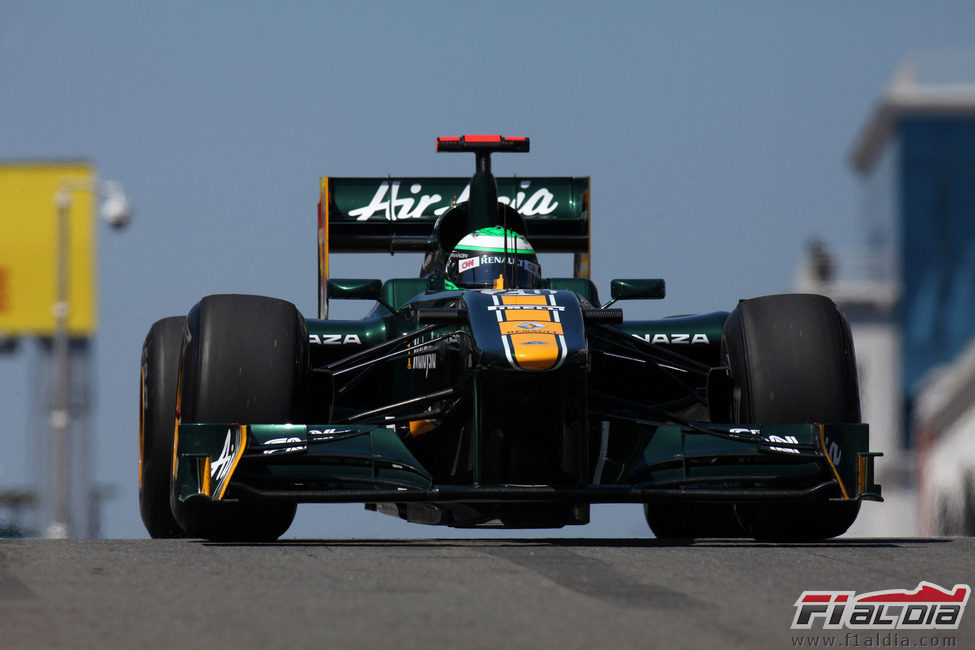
x: 481, y: 393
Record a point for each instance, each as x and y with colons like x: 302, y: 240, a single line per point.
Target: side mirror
x: 652, y: 289
x: 355, y: 289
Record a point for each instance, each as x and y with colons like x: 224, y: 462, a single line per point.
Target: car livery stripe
x: 204, y: 469
x: 142, y: 420
x: 861, y: 474
x: 829, y: 461
x: 177, y: 419
x: 533, y: 339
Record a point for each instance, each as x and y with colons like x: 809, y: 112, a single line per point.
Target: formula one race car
x: 482, y: 394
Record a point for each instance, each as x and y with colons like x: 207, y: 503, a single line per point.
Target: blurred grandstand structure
x: 909, y: 293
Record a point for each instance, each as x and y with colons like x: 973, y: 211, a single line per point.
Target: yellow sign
x: 28, y: 246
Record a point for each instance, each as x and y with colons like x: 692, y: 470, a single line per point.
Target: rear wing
x: 386, y: 215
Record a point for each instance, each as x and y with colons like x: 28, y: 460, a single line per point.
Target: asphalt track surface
x: 471, y: 593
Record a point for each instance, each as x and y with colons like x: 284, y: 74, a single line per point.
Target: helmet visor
x: 483, y: 270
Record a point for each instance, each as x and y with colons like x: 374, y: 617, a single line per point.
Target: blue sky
x: 716, y: 135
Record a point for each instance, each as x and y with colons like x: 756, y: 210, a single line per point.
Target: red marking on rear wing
x: 489, y: 143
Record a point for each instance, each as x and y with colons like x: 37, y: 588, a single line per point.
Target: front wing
x: 369, y: 464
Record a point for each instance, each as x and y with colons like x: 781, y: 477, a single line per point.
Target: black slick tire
x: 244, y: 360
x: 157, y: 418
x: 791, y: 360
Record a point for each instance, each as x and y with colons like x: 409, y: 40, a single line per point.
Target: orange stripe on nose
x: 524, y: 300
x: 535, y: 352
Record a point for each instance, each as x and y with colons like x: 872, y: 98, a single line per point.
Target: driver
x: 479, y: 261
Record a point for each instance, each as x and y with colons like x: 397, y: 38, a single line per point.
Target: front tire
x: 791, y: 360
x: 244, y: 360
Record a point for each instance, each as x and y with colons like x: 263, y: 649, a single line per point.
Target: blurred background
x: 736, y: 149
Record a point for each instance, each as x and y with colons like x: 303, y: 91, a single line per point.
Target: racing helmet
x: 479, y: 259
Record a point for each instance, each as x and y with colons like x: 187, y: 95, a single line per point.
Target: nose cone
x: 527, y: 330
x: 533, y: 338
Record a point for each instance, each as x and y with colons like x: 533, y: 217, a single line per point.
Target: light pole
x: 117, y: 211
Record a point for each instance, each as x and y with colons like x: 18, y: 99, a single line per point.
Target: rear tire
x: 244, y: 360
x: 791, y: 360
x: 157, y: 419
